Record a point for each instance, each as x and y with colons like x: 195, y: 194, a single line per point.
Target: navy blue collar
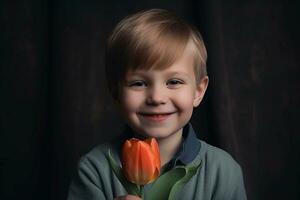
x: 188, y: 151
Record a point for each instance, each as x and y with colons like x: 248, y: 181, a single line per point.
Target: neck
x: 169, y: 146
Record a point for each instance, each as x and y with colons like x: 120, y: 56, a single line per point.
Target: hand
x: 128, y: 197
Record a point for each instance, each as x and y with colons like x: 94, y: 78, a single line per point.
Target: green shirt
x: 219, y: 176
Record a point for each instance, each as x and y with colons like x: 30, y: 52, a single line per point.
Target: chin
x: 157, y: 133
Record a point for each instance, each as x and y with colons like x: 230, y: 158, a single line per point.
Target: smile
x: 156, y: 117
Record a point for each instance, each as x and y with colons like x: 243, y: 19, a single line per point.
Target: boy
x: 156, y: 72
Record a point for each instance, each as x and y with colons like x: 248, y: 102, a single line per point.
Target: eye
x: 174, y: 82
x: 138, y: 84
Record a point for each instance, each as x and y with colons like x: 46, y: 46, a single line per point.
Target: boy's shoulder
x: 213, y: 153
x: 217, y: 158
x: 219, y: 176
x: 96, y: 159
x: 99, y: 152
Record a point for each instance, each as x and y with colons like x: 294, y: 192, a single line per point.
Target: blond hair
x: 151, y: 39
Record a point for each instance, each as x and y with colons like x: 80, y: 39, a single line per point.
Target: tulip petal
x: 137, y: 167
x: 141, y: 160
x: 127, y: 159
x: 147, y: 163
x: 130, y: 187
x: 155, y: 149
x: 132, y: 161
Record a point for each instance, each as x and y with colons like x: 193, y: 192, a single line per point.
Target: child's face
x: 158, y: 103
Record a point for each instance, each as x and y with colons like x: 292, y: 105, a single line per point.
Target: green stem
x: 142, y: 191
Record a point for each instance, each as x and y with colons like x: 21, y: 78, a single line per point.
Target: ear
x: 200, y: 91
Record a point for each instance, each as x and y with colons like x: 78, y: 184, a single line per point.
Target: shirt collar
x: 189, y: 148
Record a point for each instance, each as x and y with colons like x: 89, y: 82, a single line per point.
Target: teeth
x: 157, y: 115
x: 160, y: 115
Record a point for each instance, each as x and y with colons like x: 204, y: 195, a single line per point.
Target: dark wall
x: 54, y: 103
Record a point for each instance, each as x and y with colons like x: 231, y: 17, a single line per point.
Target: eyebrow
x: 178, y: 73
x: 142, y: 73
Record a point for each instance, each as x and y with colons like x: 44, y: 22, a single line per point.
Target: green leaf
x: 168, y: 184
x: 190, y: 172
x: 131, y: 188
x: 163, y: 185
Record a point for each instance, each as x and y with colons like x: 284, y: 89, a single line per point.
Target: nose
x: 156, y: 96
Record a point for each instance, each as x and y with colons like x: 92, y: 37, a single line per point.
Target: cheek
x: 131, y: 101
x: 185, y: 100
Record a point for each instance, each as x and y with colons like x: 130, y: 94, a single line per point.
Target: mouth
x: 156, y: 117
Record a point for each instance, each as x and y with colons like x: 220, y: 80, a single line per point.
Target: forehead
x: 182, y: 63
x: 183, y: 67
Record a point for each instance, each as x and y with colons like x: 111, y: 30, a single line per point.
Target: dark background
x: 55, y: 107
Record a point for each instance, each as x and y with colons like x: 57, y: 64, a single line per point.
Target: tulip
x: 141, y: 160
x: 141, y: 165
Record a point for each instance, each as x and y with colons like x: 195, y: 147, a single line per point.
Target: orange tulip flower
x: 141, y: 160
